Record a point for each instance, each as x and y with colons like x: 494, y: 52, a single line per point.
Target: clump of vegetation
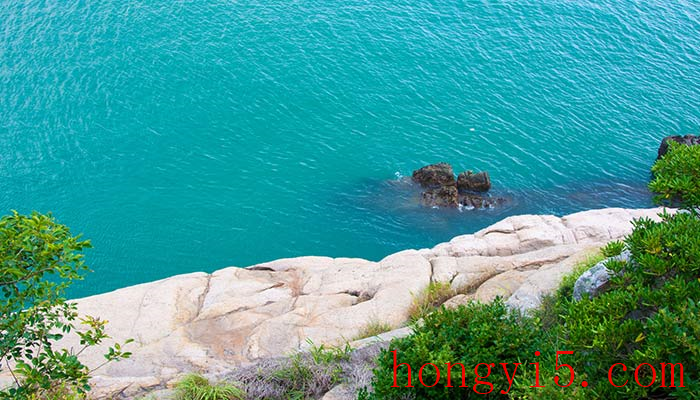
x: 612, y: 249
x: 197, y: 387
x: 677, y: 177
x: 429, y: 299
x: 302, y: 375
x: 649, y: 313
x: 39, y: 260
x: 470, y: 334
x: 373, y: 328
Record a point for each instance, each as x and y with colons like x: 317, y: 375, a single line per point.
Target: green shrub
x: 39, y: 260
x: 197, y: 387
x: 649, y: 314
x: 471, y: 334
x: 612, y: 249
x: 677, y: 176
x: 548, y: 314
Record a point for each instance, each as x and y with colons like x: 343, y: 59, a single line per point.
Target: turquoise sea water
x: 182, y: 136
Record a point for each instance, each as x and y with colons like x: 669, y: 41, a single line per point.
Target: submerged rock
x: 443, y: 191
x: 445, y: 196
x: 435, y: 175
x: 470, y: 200
x: 469, y: 181
x: 688, y: 140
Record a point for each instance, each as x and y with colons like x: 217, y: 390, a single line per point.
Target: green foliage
x: 429, y: 299
x: 39, y: 259
x: 612, y: 249
x: 649, y: 314
x: 471, y: 334
x: 327, y: 355
x: 566, y: 287
x: 197, y: 387
x: 303, y: 375
x: 677, y: 176
x: 548, y: 314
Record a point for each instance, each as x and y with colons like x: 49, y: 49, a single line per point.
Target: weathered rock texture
x: 214, y: 322
x: 435, y: 175
x: 469, y: 181
x: 595, y: 281
x: 445, y: 196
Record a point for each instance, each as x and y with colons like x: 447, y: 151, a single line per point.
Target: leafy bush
x: 471, y: 334
x: 648, y: 315
x: 677, y: 176
x: 612, y: 249
x: 39, y: 259
x: 197, y: 387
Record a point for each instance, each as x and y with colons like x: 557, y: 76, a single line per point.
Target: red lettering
x: 508, y: 377
x: 673, y: 374
x: 397, y: 367
x: 420, y: 375
x: 653, y: 375
x: 537, y: 375
x: 571, y: 370
x: 449, y: 377
x: 477, y: 382
x: 624, y: 368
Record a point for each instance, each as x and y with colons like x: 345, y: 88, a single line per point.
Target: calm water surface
x: 182, y: 136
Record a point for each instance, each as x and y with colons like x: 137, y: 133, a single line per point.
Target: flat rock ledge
x: 212, y: 323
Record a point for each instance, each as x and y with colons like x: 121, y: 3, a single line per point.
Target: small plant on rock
x: 429, y: 299
x: 197, y: 387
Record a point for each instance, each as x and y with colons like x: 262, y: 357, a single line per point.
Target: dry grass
x: 430, y: 298
x: 296, y: 283
x: 373, y: 328
x: 307, y: 375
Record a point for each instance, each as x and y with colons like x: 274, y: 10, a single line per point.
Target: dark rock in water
x: 469, y: 181
x: 471, y: 200
x: 435, y: 175
x: 445, y: 196
x: 443, y: 191
x: 688, y: 140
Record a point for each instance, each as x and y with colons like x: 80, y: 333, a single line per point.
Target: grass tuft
x: 197, y: 387
x: 429, y: 299
x: 373, y: 328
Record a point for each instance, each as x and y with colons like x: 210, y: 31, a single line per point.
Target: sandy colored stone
x: 459, y: 300
x: 502, y: 285
x: 340, y: 392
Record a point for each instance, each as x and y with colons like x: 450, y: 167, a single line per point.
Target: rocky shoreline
x: 214, y: 323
